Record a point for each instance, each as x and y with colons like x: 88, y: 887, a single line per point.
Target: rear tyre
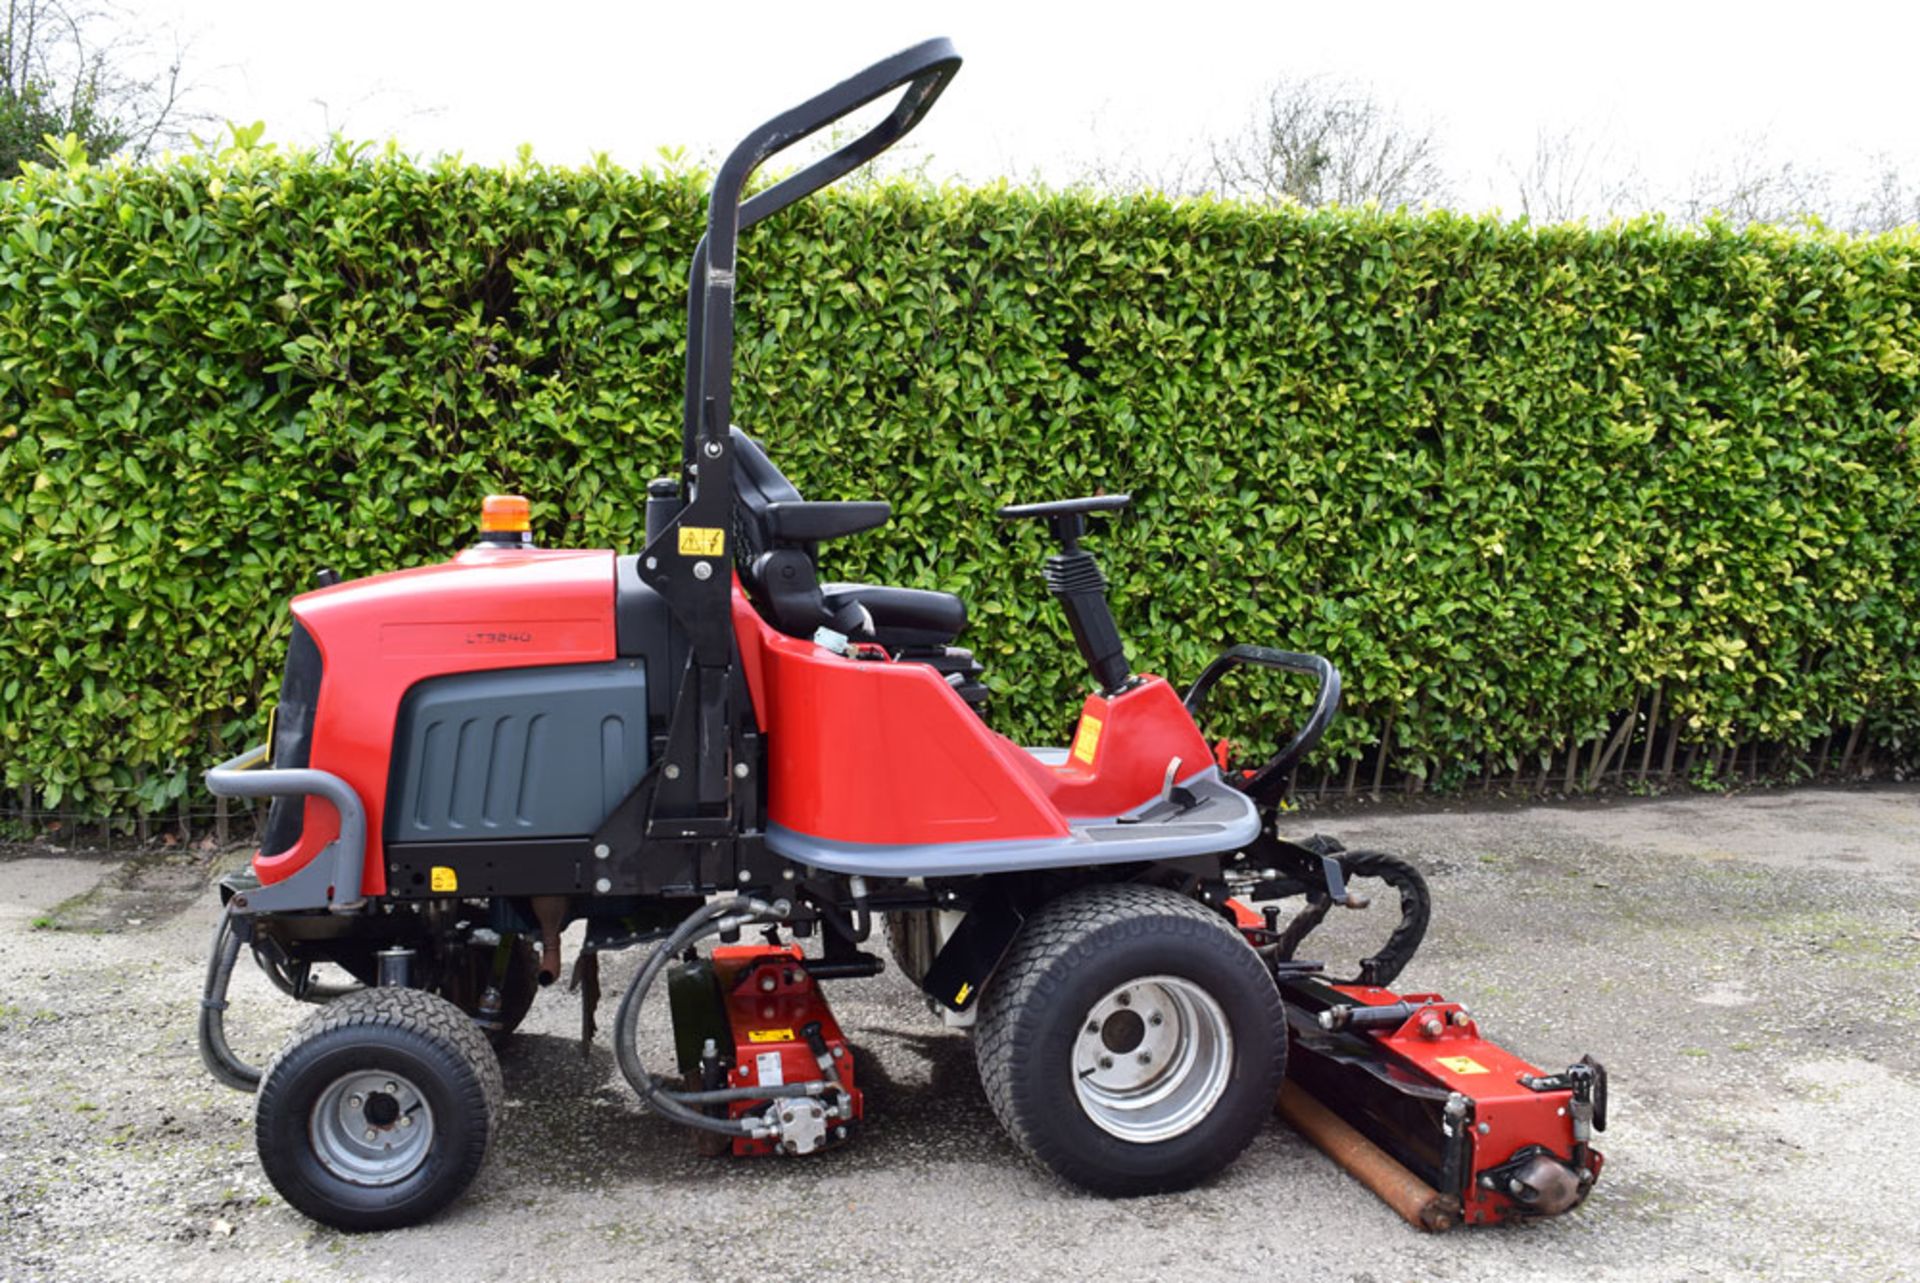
x: 1131, y: 1041
x: 379, y: 1111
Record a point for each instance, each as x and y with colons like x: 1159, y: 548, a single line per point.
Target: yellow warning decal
x: 702, y: 541
x: 1087, y: 742
x: 960, y: 999
x: 770, y: 1035
x: 443, y: 879
x: 1464, y: 1065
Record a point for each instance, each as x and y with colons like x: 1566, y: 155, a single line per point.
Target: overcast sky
x: 1673, y: 86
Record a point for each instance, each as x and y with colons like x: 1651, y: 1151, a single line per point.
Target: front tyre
x: 1131, y: 1041
x: 379, y: 1111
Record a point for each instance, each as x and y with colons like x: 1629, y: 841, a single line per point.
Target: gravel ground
x: 1744, y: 964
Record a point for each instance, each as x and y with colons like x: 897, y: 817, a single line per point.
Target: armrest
x: 804, y: 521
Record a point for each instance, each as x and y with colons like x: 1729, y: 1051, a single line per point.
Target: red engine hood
x: 487, y: 608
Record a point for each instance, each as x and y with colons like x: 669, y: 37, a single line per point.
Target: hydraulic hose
x: 707, y: 920
x: 720, y: 1096
x: 227, y: 1068
x: 1416, y: 908
x: 314, y: 991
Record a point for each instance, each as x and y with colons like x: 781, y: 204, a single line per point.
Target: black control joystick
x: 1074, y: 577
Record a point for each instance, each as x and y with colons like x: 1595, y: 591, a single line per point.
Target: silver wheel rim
x: 371, y: 1128
x: 1152, y: 1058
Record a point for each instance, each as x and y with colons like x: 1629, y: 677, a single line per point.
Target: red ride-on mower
x: 704, y: 739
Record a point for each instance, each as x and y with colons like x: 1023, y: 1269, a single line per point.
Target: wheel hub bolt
x: 1106, y: 1062
x: 1156, y: 1019
x: 406, y: 1120
x: 393, y: 1089
x: 1093, y: 1026
x: 355, y: 1101
x: 1146, y: 1057
x: 1125, y: 999
x: 372, y: 1134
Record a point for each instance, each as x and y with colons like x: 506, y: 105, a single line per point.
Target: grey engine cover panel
x: 517, y: 753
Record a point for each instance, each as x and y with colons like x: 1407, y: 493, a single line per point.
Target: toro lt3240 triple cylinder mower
x: 703, y: 740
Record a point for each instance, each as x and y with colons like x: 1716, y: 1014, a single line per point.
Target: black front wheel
x: 1131, y: 1041
x: 379, y: 1111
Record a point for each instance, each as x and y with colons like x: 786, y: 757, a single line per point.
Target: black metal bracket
x: 973, y: 952
x: 1587, y: 1080
x: 1307, y: 866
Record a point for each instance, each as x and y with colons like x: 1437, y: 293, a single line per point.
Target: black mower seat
x: 902, y: 617
x: 777, y: 536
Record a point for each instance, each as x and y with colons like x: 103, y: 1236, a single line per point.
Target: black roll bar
x: 925, y: 70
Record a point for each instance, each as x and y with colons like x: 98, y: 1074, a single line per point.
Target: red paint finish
x: 860, y: 750
x: 491, y: 607
x: 1458, y: 1059
x: 1246, y: 917
x: 865, y: 750
x: 881, y: 752
x: 769, y: 999
x: 1121, y: 751
x: 748, y: 630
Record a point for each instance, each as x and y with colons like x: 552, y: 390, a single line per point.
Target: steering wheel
x: 1067, y: 518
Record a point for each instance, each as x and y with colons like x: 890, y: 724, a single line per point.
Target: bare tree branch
x: 1888, y: 202
x: 1322, y: 142
x: 1576, y: 174
x: 80, y: 67
x: 1748, y: 185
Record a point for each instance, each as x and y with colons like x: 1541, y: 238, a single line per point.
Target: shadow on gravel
x: 572, y: 1121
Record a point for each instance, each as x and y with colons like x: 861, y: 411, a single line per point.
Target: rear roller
x: 1130, y: 1041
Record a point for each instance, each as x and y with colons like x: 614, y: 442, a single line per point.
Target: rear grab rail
x: 1266, y: 782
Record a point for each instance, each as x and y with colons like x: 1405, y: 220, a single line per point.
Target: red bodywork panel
x: 769, y: 1000
x: 884, y: 752
x: 490, y: 607
x: 1121, y: 751
x: 1459, y: 1059
x: 859, y: 750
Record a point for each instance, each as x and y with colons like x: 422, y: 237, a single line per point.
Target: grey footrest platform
x: 1222, y: 819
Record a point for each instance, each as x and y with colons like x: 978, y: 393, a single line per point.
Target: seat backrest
x: 781, y: 583
x: 757, y: 482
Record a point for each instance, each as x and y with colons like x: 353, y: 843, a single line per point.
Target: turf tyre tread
x: 1058, y: 943
x: 422, y: 1024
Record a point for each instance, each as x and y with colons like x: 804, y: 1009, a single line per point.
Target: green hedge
x: 1509, y: 479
